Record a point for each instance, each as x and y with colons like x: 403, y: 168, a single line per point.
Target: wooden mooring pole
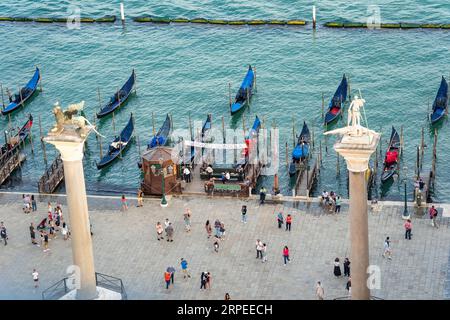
x: 422, y: 147
x: 293, y: 132
x: 287, y: 155
x: 323, y: 105
x: 44, y: 151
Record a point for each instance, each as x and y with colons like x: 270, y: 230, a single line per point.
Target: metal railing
x: 56, y: 291
x: 111, y: 283
x: 350, y: 298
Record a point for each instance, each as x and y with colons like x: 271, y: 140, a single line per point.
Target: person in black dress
x: 337, y: 268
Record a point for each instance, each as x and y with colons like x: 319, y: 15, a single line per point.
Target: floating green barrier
x: 44, y: 20
x: 180, y: 20
x: 409, y: 25
x: 199, y: 20
x: 276, y: 22
x: 60, y: 20
x: 296, y: 22
x: 237, y: 22
x: 430, y: 26
x: 106, y: 19
x: 354, y: 25
x: 23, y: 19
x: 334, y: 25
x: 390, y: 25
x: 143, y: 19
x: 6, y: 19
x: 218, y: 21
x: 160, y: 20
x: 87, y: 20
x: 445, y: 26
x: 256, y: 22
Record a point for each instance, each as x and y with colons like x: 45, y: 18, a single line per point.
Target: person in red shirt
x: 433, y: 214
x: 408, y: 228
x: 286, y: 254
x: 288, y: 222
x: 167, y: 276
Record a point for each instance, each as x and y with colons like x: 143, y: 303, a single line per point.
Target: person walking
x: 208, y: 229
x: 337, y: 204
x: 124, y: 203
x: 167, y: 277
x: 169, y: 232
x: 348, y: 286
x: 433, y: 215
x: 46, y: 242
x: 320, y: 292
x: 408, y: 228
x: 280, y: 219
x: 35, y: 276
x: 208, y: 280
x: 244, y: 214
x: 347, y: 267
x: 3, y: 233
x: 65, y: 230
x: 187, y: 174
x: 217, y: 228
x: 203, y: 280
x: 222, y: 231
x: 187, y: 219
x: 32, y: 234
x: 337, y: 268
x: 166, y: 223
x: 184, y: 266
x: 262, y: 195
x: 259, y: 247
x: 33, y: 203
x: 216, y: 246
x: 288, y: 222
x: 172, y: 273
x: 159, y: 231
x: 387, y: 249
x: 286, y: 255
x: 264, y: 253
x: 140, y: 198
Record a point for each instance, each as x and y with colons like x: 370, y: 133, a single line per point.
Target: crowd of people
x: 331, y: 201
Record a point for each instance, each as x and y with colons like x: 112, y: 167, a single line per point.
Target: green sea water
x: 184, y: 69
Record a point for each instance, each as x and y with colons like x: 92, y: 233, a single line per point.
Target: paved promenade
x: 125, y: 246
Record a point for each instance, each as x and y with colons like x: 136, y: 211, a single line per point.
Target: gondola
x: 335, y: 105
x: 15, y: 142
x: 391, y: 157
x: 161, y: 138
x: 24, y: 94
x: 440, y: 103
x: 119, y: 98
x: 119, y: 145
x: 252, y: 136
x: 205, y: 128
x: 245, y: 92
x: 301, y: 150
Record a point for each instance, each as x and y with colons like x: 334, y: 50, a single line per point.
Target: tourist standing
x: 167, y: 277
x: 187, y: 219
x: 32, y: 234
x: 337, y: 268
x: 159, y: 231
x: 227, y: 296
x: 320, y: 292
x: 184, y: 266
x: 140, y: 198
x: 172, y: 273
x: 262, y: 195
x: 347, y: 267
x: 203, y: 280
x: 33, y: 203
x: 264, y: 253
x: 46, y: 242
x: 259, y: 247
x: 288, y: 222
x: 408, y: 228
x: 166, y: 223
x: 35, y: 276
x: 286, y: 255
x: 65, y: 230
x: 338, y: 202
x: 208, y: 228
x: 216, y: 246
x: 217, y: 228
x: 3, y: 233
x: 433, y: 215
x: 387, y: 248
x: 124, y: 203
x: 348, y: 286
x: 280, y: 219
x: 208, y: 280
x: 169, y: 232
x: 222, y: 231
x: 244, y: 214
x: 187, y: 174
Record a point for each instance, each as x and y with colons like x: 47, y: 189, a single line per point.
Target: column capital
x: 70, y: 150
x: 357, y: 150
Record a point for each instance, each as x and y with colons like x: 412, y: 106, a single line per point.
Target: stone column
x: 82, y: 251
x: 359, y: 236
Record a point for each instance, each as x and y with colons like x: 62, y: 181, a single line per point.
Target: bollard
x: 122, y: 14
x: 314, y: 17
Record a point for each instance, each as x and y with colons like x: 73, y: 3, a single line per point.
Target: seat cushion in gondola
x: 335, y: 110
x: 391, y: 157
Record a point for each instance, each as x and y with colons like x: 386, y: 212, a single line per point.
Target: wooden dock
x: 9, y: 163
x: 52, y: 177
x: 306, y: 178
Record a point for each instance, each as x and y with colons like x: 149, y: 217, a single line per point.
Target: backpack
x: 3, y: 233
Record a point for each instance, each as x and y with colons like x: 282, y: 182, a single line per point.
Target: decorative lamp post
x: 162, y: 172
x: 405, y: 214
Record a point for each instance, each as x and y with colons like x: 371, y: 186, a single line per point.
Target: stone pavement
x: 125, y: 246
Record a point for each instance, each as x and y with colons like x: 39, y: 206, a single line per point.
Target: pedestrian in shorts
x: 35, y: 276
x: 184, y: 266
